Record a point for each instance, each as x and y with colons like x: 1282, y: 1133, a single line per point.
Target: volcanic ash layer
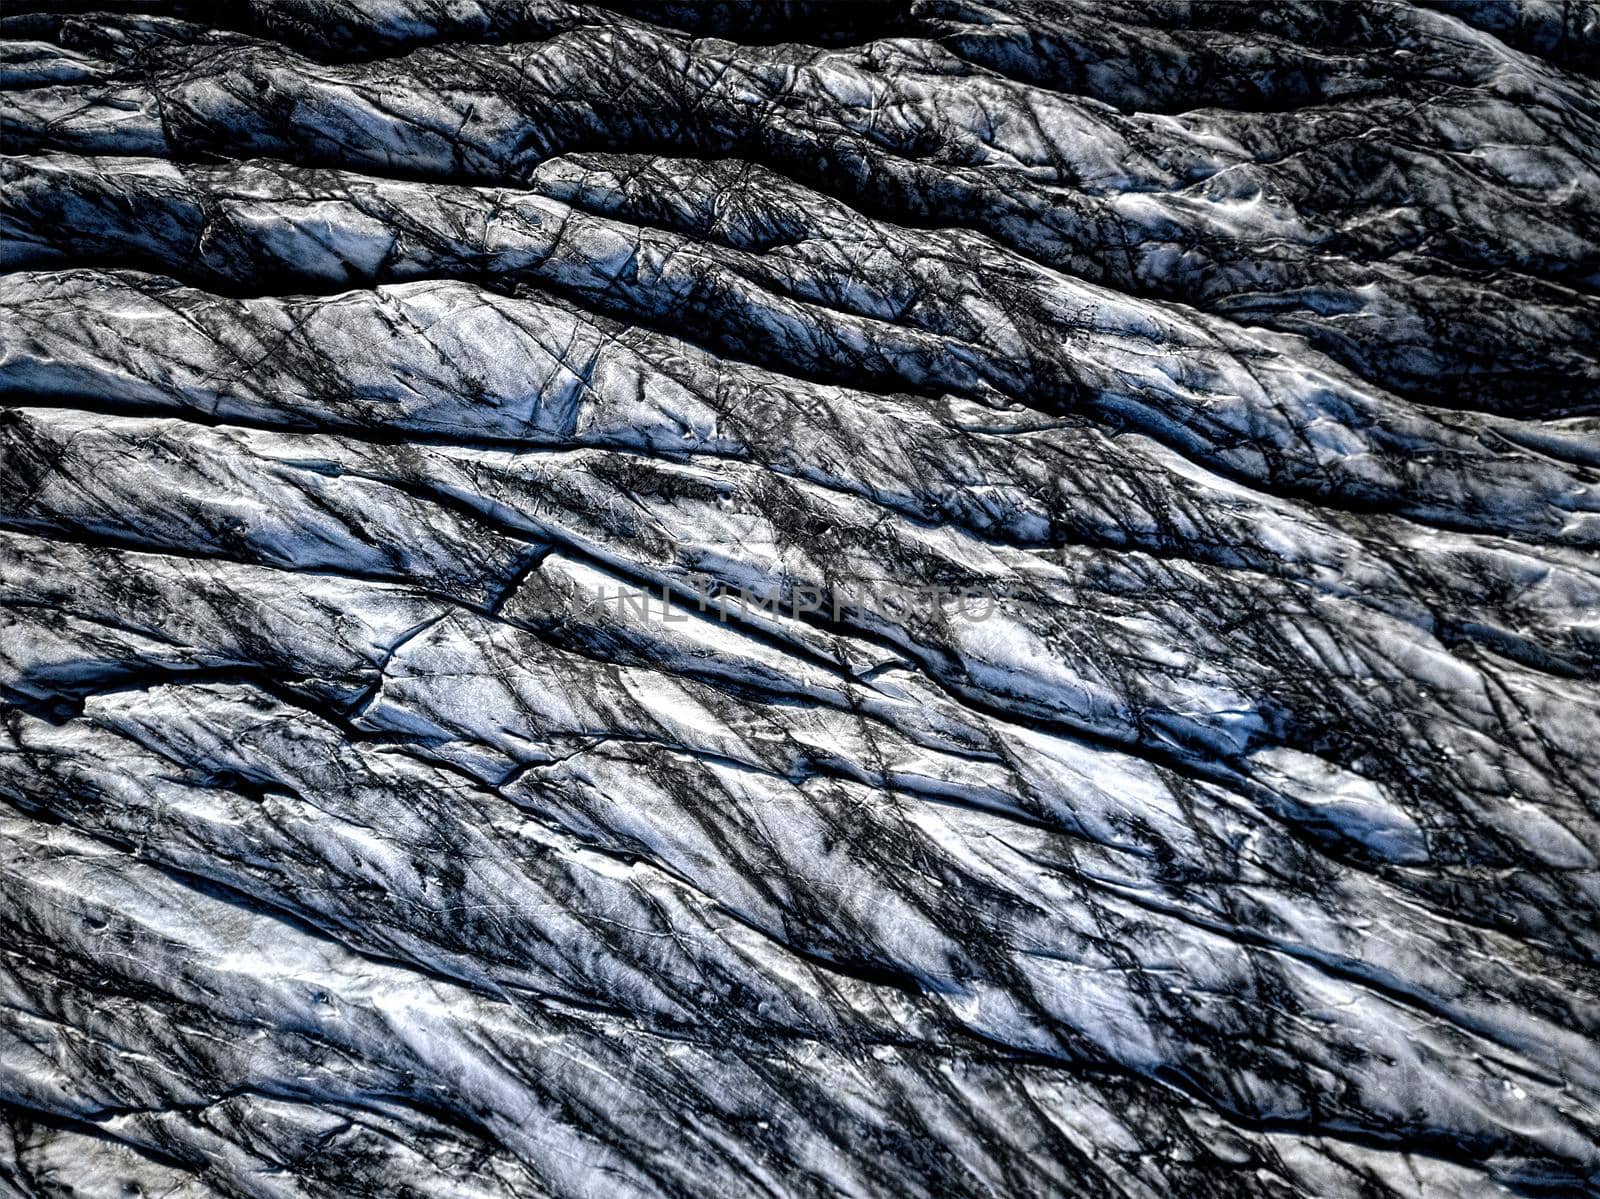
x: 480, y: 491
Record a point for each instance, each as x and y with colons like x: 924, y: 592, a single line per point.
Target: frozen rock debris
x: 934, y: 598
